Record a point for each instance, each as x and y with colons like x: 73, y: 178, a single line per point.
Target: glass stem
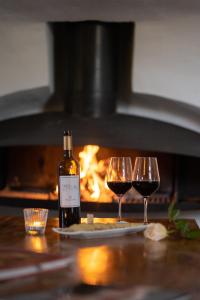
x: 145, y: 210
x: 120, y: 209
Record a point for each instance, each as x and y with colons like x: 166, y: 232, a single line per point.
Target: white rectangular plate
x: 107, y: 233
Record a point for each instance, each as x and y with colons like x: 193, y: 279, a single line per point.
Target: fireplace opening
x: 29, y: 178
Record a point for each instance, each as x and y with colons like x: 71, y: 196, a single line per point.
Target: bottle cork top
x: 67, y: 133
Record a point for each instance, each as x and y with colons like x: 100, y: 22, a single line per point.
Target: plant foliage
x: 181, y: 226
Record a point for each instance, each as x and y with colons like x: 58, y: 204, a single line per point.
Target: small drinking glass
x: 119, y: 177
x: 146, y: 179
x: 35, y: 220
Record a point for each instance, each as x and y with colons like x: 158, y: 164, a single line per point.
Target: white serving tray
x: 105, y: 233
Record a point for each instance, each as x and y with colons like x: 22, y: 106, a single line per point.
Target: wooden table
x: 122, y: 265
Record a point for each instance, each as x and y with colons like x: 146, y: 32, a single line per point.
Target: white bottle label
x: 69, y: 191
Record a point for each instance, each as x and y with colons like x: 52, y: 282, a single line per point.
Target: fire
x: 93, y: 176
x: 56, y: 189
x: 93, y: 185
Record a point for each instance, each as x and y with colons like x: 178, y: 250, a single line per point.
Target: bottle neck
x: 67, y: 143
x: 68, y: 153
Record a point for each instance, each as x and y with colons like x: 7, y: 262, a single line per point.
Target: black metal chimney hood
x: 87, y: 59
x: 92, y: 64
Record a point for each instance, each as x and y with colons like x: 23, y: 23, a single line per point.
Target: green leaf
x: 193, y: 234
x: 183, y: 226
x: 171, y: 231
x: 173, y: 213
x: 170, y: 209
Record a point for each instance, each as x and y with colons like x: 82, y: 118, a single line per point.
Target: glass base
x: 32, y: 230
x: 122, y: 222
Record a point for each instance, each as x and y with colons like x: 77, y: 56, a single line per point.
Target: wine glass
x: 146, y: 179
x: 119, y: 177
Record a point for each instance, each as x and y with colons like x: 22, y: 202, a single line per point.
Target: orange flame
x: 93, y: 183
x: 56, y: 190
x: 93, y: 176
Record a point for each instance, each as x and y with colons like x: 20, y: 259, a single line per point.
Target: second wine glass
x: 119, y: 177
x: 146, y: 179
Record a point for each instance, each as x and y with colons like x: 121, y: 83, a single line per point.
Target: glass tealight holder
x: 35, y: 220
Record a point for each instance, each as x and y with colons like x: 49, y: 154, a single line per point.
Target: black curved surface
x: 117, y: 130
x: 40, y: 100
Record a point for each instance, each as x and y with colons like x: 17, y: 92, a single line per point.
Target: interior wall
x: 166, y: 58
x: 23, y: 56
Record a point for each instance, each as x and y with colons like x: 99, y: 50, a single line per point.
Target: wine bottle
x: 69, y: 185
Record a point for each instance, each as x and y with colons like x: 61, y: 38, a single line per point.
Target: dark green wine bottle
x: 69, y: 185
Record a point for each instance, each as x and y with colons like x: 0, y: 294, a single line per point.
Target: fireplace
x: 90, y: 66
x: 29, y: 178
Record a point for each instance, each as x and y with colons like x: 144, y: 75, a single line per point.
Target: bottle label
x: 69, y: 191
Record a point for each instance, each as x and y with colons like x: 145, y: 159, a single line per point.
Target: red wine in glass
x: 119, y: 187
x: 119, y: 177
x: 146, y: 179
x: 146, y: 188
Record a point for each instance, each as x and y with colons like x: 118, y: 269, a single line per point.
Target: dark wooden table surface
x: 129, y: 264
